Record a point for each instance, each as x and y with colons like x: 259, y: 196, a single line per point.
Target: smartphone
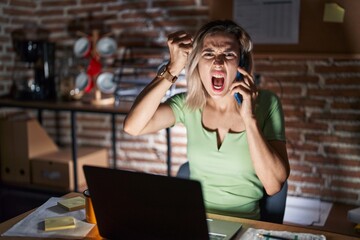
x: 244, y: 63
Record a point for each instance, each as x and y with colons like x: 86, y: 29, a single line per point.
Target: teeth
x: 218, y: 75
x: 217, y: 87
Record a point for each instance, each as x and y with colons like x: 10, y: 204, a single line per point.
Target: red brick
x: 166, y: 4
x: 295, y: 168
x: 342, y: 150
x: 293, y: 136
x: 346, y: 105
x: 291, y: 79
x: 331, y: 171
x: 282, y: 91
x: 313, y: 190
x: 337, y: 69
x: 175, y: 23
x: 59, y: 3
x: 344, y: 81
x: 305, y: 146
x: 301, y: 126
x: 336, y: 116
x: 333, y: 92
x: 301, y: 68
x: 347, y: 127
x: 127, y: 25
x: 339, y: 194
x: 87, y: 10
x: 326, y: 138
x: 141, y: 34
x: 307, y: 179
x: 50, y: 12
x: 297, y: 113
x: 302, y: 103
x: 24, y: 3
x: 337, y: 161
x: 85, y: 2
x: 129, y: 6
x: 18, y: 12
x: 345, y: 184
x: 188, y: 12
x: 143, y: 14
x: 90, y: 137
x: 4, y: 20
x: 292, y: 155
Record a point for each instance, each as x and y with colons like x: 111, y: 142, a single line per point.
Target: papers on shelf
x: 256, y: 234
x: 354, y: 215
x: 269, y: 21
x: 33, y: 224
x: 305, y: 211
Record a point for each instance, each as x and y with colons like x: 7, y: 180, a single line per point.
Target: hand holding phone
x: 245, y: 64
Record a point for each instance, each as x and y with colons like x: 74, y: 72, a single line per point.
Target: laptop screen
x: 133, y: 205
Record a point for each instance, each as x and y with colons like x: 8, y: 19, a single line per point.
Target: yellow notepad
x: 59, y: 223
x: 72, y: 204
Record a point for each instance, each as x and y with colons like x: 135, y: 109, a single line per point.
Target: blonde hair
x: 196, y: 95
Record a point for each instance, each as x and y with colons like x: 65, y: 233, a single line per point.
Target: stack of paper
x: 252, y: 233
x: 52, y: 221
x: 306, y: 211
x: 354, y: 215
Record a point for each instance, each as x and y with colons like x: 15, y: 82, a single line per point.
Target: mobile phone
x: 245, y: 64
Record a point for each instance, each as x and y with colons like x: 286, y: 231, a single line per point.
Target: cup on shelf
x: 106, y: 47
x: 82, y: 47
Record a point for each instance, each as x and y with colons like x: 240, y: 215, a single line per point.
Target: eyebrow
x: 212, y: 50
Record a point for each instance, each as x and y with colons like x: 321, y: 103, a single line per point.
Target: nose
x: 219, y: 59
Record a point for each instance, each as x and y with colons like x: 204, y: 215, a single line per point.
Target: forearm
x: 145, y: 106
x: 147, y: 114
x: 271, y: 165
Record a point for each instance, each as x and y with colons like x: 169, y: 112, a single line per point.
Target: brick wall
x: 320, y: 96
x: 320, y: 93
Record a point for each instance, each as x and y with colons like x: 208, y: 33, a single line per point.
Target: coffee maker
x: 33, y: 75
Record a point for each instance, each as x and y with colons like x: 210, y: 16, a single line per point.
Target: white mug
x: 106, y: 46
x: 82, y: 47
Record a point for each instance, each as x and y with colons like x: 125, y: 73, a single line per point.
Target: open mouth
x: 218, y: 82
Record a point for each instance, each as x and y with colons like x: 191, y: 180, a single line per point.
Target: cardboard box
x: 20, y: 140
x: 55, y: 170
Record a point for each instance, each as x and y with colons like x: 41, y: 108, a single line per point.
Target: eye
x: 230, y: 55
x: 208, y: 55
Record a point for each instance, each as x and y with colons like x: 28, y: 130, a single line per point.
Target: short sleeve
x: 271, y: 116
x: 177, y: 104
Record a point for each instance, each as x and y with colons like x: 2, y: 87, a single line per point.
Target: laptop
x: 135, y: 205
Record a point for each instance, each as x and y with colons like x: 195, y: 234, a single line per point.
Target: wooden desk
x: 94, y: 234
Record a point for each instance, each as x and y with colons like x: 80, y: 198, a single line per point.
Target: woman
x: 234, y: 149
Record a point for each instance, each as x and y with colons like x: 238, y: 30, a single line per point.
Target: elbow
x: 130, y: 130
x: 276, y: 188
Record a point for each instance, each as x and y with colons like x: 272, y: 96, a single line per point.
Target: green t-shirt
x: 229, y: 182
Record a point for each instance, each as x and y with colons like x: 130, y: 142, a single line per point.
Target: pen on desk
x: 268, y: 236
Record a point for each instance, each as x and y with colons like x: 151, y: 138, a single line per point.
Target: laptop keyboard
x: 214, y: 236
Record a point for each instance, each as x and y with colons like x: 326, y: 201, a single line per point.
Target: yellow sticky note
x: 59, y: 223
x: 72, y: 204
x: 357, y: 228
x: 333, y: 13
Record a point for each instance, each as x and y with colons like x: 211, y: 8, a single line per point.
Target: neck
x: 221, y: 104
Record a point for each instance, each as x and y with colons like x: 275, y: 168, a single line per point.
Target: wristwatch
x: 165, y: 74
